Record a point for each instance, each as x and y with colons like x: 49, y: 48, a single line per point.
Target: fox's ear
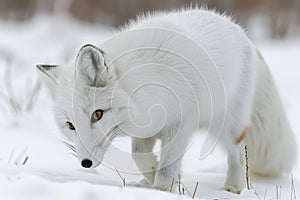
x: 49, y: 75
x: 91, y: 66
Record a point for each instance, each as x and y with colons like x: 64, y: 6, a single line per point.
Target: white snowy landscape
x: 34, y: 163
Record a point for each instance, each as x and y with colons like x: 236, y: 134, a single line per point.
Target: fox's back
x: 206, y: 48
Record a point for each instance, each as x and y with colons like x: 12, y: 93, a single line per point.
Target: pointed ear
x: 49, y: 74
x: 91, y: 66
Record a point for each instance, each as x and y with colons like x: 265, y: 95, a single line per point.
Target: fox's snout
x: 89, y: 162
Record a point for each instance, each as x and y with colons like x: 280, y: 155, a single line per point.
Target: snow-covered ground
x: 50, y: 172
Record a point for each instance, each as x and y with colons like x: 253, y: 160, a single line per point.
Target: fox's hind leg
x: 235, y: 177
x: 232, y: 140
x: 144, y: 158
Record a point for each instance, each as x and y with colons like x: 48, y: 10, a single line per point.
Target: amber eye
x: 96, y: 116
x: 70, y: 126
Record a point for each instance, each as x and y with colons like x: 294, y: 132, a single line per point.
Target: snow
x: 52, y: 173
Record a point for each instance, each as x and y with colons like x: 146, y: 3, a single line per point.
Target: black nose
x: 86, y: 163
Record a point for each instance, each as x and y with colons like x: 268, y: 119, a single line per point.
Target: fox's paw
x: 161, y: 186
x: 142, y: 183
x: 232, y: 189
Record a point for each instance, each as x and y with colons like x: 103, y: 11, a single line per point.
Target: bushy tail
x: 271, y: 143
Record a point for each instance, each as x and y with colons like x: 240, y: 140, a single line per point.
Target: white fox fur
x: 165, y: 76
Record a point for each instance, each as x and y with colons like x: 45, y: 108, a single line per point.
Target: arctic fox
x: 163, y: 77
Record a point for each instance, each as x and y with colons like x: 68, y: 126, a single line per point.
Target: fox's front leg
x: 174, y: 144
x: 168, y: 170
x: 144, y: 159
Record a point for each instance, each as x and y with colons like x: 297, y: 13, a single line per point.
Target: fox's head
x: 84, y: 110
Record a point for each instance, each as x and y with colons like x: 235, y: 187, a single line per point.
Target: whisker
x: 70, y: 146
x: 73, y: 154
x: 107, y: 140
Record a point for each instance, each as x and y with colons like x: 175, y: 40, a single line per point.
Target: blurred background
x: 280, y: 19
